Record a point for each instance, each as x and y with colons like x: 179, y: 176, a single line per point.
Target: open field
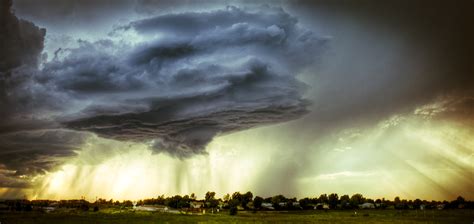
x: 362, y: 216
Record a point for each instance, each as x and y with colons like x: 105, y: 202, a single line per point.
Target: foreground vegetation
x: 452, y: 216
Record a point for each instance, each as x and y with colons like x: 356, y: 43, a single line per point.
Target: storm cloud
x: 174, y: 81
x: 194, y: 76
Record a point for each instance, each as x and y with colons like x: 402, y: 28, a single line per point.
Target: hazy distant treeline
x: 246, y: 201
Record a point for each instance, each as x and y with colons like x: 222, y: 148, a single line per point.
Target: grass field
x: 362, y: 216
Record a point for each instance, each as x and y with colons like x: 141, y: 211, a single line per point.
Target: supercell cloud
x: 174, y: 81
x: 188, y: 77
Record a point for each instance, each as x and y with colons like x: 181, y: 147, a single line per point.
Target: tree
x: 397, y: 200
x: 234, y: 203
x: 127, y: 203
x: 193, y: 196
x: 246, y: 198
x: 257, y: 202
x: 177, y: 202
x: 276, y: 200
x: 458, y: 203
x: 210, y: 199
x: 226, y: 198
x: 209, y: 196
x: 237, y: 196
x: 305, y: 203
x: 417, y: 203
x: 356, y: 200
x: 333, y: 200
x: 323, y: 198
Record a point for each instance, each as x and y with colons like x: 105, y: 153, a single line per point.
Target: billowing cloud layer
x: 174, y: 81
x: 191, y: 77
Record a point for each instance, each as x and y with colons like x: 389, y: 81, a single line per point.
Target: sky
x: 139, y: 98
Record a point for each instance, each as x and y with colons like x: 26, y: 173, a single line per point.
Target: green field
x: 362, y: 216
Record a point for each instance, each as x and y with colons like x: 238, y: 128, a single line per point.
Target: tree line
x: 247, y: 201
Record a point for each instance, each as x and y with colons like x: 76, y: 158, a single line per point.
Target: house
x: 268, y: 206
x: 196, y: 204
x: 367, y: 205
x: 48, y: 209
x: 296, y: 205
x: 196, y: 207
x: 321, y: 206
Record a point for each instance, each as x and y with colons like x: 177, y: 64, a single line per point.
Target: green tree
x: 246, y: 198
x: 226, y: 198
x: 193, y: 196
x: 257, y: 202
x: 305, y: 203
x: 417, y: 203
x: 323, y: 198
x: 209, y: 196
x: 356, y: 200
x: 176, y: 202
x: 460, y: 200
x: 237, y: 196
x: 276, y: 200
x: 333, y: 200
x: 211, y: 200
x: 396, y: 200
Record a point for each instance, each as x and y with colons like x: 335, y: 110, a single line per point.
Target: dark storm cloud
x: 193, y: 23
x: 66, y: 17
x: 216, y: 78
x: 177, y: 93
x: 21, y: 41
x: 26, y: 148
x: 34, y: 152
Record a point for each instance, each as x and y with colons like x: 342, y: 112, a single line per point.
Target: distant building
x: 321, y: 206
x: 268, y: 206
x: 196, y: 207
x: 48, y: 209
x: 367, y: 205
x: 196, y: 204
